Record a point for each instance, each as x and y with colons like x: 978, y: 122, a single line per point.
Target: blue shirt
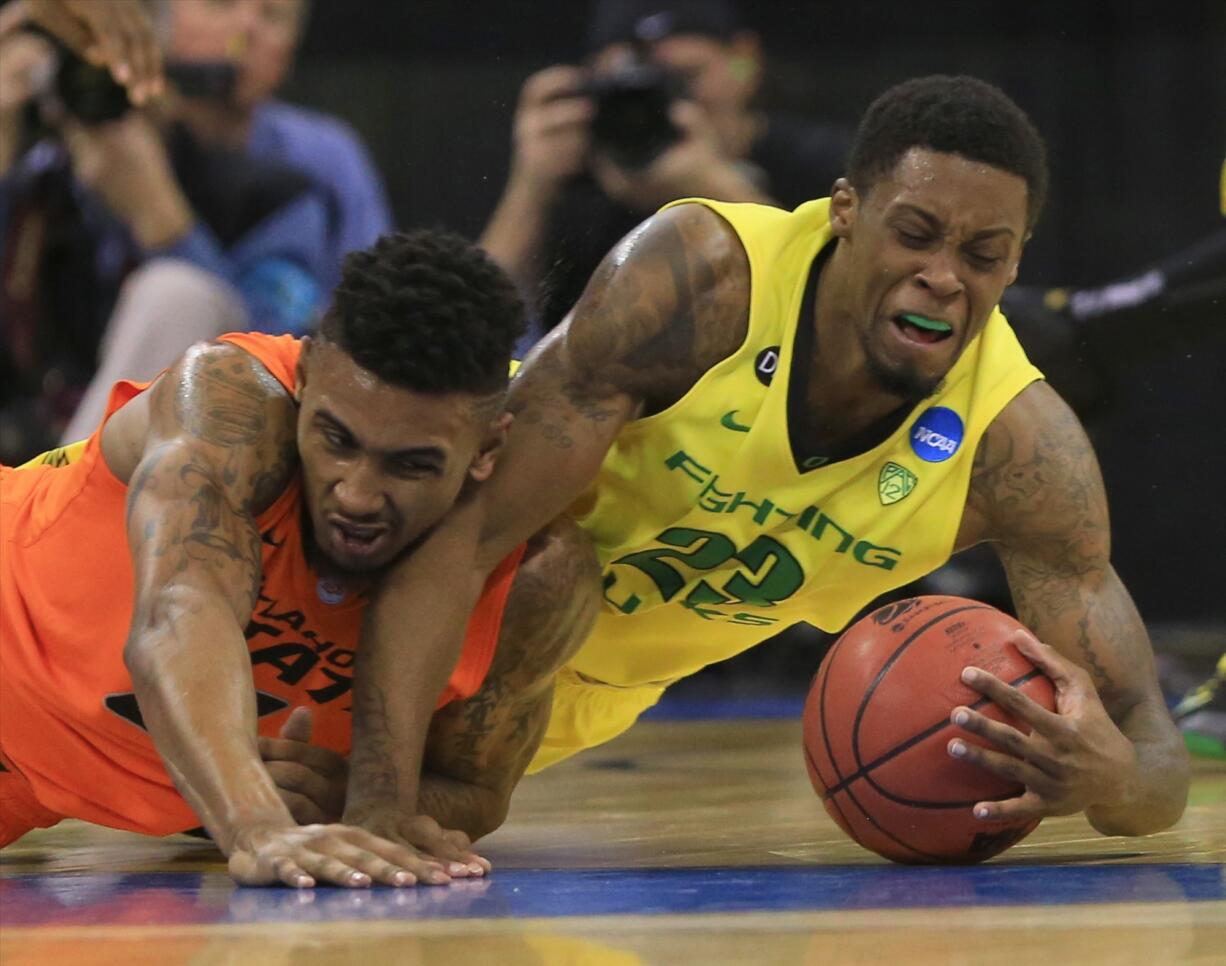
x: 286, y: 265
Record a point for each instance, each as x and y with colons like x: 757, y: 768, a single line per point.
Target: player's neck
x: 844, y: 397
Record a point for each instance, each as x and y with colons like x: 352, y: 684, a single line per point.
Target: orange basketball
x: 877, y: 728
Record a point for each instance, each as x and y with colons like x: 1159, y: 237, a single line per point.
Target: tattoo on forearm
x: 1102, y: 679
x: 1040, y: 491
x: 372, y: 764
x: 488, y: 740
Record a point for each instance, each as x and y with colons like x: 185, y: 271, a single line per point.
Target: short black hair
x: 952, y: 115
x: 427, y: 311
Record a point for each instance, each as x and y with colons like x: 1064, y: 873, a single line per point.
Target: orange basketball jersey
x: 69, y: 720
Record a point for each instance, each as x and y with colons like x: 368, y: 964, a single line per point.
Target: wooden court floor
x: 682, y: 842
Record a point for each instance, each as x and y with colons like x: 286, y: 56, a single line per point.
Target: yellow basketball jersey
x: 709, y: 535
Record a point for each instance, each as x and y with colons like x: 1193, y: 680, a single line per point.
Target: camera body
x: 92, y: 96
x: 631, y: 125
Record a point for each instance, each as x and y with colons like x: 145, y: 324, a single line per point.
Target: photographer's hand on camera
x: 124, y: 162
x: 116, y: 34
x: 551, y: 143
x: 695, y: 166
x: 551, y: 131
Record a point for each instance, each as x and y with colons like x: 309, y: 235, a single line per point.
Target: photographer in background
x: 217, y: 208
x: 664, y: 109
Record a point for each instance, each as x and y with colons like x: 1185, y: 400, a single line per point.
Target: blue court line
x: 72, y: 899
x: 684, y: 708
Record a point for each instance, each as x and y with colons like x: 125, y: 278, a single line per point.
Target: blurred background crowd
x: 293, y: 131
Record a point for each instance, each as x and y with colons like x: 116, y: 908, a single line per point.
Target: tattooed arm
x: 214, y: 431
x: 670, y: 301
x: 664, y: 306
x: 213, y: 444
x: 1111, y: 749
x: 478, y: 749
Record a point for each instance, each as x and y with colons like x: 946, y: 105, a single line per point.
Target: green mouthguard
x: 930, y: 324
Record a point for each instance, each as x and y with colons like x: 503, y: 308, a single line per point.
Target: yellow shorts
x: 587, y: 713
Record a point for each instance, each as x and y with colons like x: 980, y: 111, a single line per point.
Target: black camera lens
x: 631, y: 126
x: 89, y: 93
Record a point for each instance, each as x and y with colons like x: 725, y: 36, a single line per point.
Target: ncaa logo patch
x: 937, y: 434
x: 765, y: 365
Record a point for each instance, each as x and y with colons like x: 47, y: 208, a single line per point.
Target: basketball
x: 877, y: 727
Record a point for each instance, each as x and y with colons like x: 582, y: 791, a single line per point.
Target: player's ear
x: 487, y: 456
x: 844, y: 205
x: 300, y: 370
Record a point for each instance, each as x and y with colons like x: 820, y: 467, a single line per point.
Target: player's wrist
x: 258, y: 808
x: 246, y: 834
x: 369, y: 812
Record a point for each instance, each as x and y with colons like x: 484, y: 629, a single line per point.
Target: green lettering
x: 679, y: 460
x: 881, y: 556
x: 779, y: 574
x: 627, y: 606
x: 823, y: 522
x: 762, y: 511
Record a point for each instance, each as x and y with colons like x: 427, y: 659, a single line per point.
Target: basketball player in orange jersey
x: 241, y: 521
x: 763, y: 417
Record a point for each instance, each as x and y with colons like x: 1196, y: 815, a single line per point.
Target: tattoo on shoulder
x: 229, y: 402
x: 1040, y: 488
x: 674, y: 306
x: 226, y: 406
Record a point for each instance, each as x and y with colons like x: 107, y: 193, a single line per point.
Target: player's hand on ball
x: 451, y: 847
x: 303, y: 856
x: 1073, y: 758
x: 311, y: 780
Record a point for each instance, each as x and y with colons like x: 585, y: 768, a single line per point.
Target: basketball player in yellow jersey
x: 763, y: 417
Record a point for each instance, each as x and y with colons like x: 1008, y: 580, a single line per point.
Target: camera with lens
x: 92, y: 96
x: 631, y: 125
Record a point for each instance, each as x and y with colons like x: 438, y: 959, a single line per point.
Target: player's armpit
x: 665, y: 305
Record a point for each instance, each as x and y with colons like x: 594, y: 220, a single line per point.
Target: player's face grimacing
x: 932, y: 247
x: 381, y: 465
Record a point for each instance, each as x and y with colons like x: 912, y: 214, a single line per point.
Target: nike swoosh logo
x: 728, y: 421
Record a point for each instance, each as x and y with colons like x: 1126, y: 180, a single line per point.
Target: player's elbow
x: 152, y: 633
x: 1159, y: 804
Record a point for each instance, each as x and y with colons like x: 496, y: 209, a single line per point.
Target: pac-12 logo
x: 937, y: 434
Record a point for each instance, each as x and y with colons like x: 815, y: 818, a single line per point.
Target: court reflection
x: 169, y: 898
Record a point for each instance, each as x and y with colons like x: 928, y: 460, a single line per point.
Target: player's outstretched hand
x: 451, y: 847
x: 303, y: 856
x: 1074, y: 758
x: 310, y: 780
